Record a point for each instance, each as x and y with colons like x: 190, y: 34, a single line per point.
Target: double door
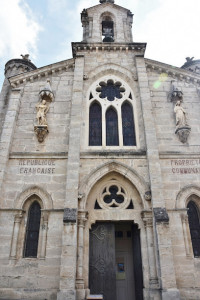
x: 115, y: 268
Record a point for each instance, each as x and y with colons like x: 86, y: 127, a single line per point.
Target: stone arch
x: 184, y: 194
x: 129, y: 173
x: 34, y: 190
x: 114, y: 69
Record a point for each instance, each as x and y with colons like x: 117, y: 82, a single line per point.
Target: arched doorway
x: 113, y: 231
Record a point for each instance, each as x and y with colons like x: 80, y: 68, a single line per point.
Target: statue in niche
x: 182, y: 128
x: 42, y: 110
x: 180, y: 115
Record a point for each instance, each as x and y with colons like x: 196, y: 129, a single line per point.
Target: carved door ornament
x: 182, y: 127
x: 45, y: 98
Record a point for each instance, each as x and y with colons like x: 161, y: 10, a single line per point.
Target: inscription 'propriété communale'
x: 37, y: 166
x: 185, y: 166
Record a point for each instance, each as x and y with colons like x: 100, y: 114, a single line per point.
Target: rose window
x: 110, y: 90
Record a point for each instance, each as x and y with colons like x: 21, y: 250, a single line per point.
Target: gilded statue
x: 42, y: 109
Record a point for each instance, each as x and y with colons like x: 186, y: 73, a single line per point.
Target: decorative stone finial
x: 25, y: 57
x: 104, y: 1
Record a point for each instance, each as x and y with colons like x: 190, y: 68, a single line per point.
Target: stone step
x: 95, y: 297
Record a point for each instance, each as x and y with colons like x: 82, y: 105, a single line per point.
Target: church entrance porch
x: 115, y: 264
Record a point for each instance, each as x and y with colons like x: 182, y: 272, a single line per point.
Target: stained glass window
x: 112, y: 138
x: 128, y: 127
x: 95, y: 125
x: 110, y: 90
x: 32, y: 232
x: 193, y: 218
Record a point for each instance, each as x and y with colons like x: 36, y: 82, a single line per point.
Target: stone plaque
x: 161, y: 215
x: 70, y: 215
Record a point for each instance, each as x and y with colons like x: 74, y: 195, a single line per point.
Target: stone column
x: 17, y: 222
x: 69, y: 239
x: 186, y: 234
x: 7, y: 133
x: 79, y: 276
x: 148, y: 222
x: 44, y: 228
x: 165, y: 263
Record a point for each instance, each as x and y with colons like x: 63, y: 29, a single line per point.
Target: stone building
x: 99, y: 171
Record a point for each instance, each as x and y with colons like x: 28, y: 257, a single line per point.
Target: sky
x: 46, y: 28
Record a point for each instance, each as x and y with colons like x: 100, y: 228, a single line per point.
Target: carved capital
x: 70, y: 215
x: 161, y: 215
x: 18, y: 217
x: 82, y: 217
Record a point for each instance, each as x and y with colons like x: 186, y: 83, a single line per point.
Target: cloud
x: 171, y: 34
x: 19, y: 29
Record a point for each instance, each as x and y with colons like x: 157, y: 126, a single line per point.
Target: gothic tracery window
x: 95, y: 131
x: 32, y: 230
x: 194, y: 224
x: 112, y: 137
x: 128, y: 126
x: 111, y: 114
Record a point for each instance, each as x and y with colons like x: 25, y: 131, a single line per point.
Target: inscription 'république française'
x: 37, y: 166
x: 185, y: 166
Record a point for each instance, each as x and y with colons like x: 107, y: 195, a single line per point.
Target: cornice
x: 137, y: 48
x: 174, y: 72
x: 41, y: 72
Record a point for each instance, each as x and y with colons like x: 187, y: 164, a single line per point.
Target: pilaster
x: 8, y: 131
x: 165, y: 263
x: 69, y: 239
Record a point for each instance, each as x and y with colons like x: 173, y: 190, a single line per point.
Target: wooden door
x: 102, y: 275
x: 137, y: 263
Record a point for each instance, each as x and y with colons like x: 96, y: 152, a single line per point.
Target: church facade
x: 100, y: 171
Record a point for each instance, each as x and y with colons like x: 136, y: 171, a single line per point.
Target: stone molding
x: 43, y: 72
x: 174, y: 72
x: 18, y: 63
x: 184, y: 194
x: 90, y: 180
x: 112, y: 69
x: 137, y: 48
x: 34, y: 190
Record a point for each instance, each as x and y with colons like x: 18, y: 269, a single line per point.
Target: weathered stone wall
x: 34, y: 168
x: 180, y: 166
x: 58, y: 116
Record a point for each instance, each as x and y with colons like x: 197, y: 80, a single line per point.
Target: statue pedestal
x: 183, y: 133
x: 41, y: 132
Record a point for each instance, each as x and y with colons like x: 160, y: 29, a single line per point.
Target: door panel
x: 137, y: 262
x: 102, y: 277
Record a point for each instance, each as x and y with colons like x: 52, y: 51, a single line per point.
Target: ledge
x: 96, y: 47
x: 174, y: 72
x: 58, y: 155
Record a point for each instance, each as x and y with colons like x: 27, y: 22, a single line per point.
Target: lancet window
x: 32, y: 231
x: 194, y: 224
x: 111, y: 114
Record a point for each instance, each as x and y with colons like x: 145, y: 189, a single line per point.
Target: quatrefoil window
x: 110, y: 90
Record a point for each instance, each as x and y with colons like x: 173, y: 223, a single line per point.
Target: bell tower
x: 107, y: 23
